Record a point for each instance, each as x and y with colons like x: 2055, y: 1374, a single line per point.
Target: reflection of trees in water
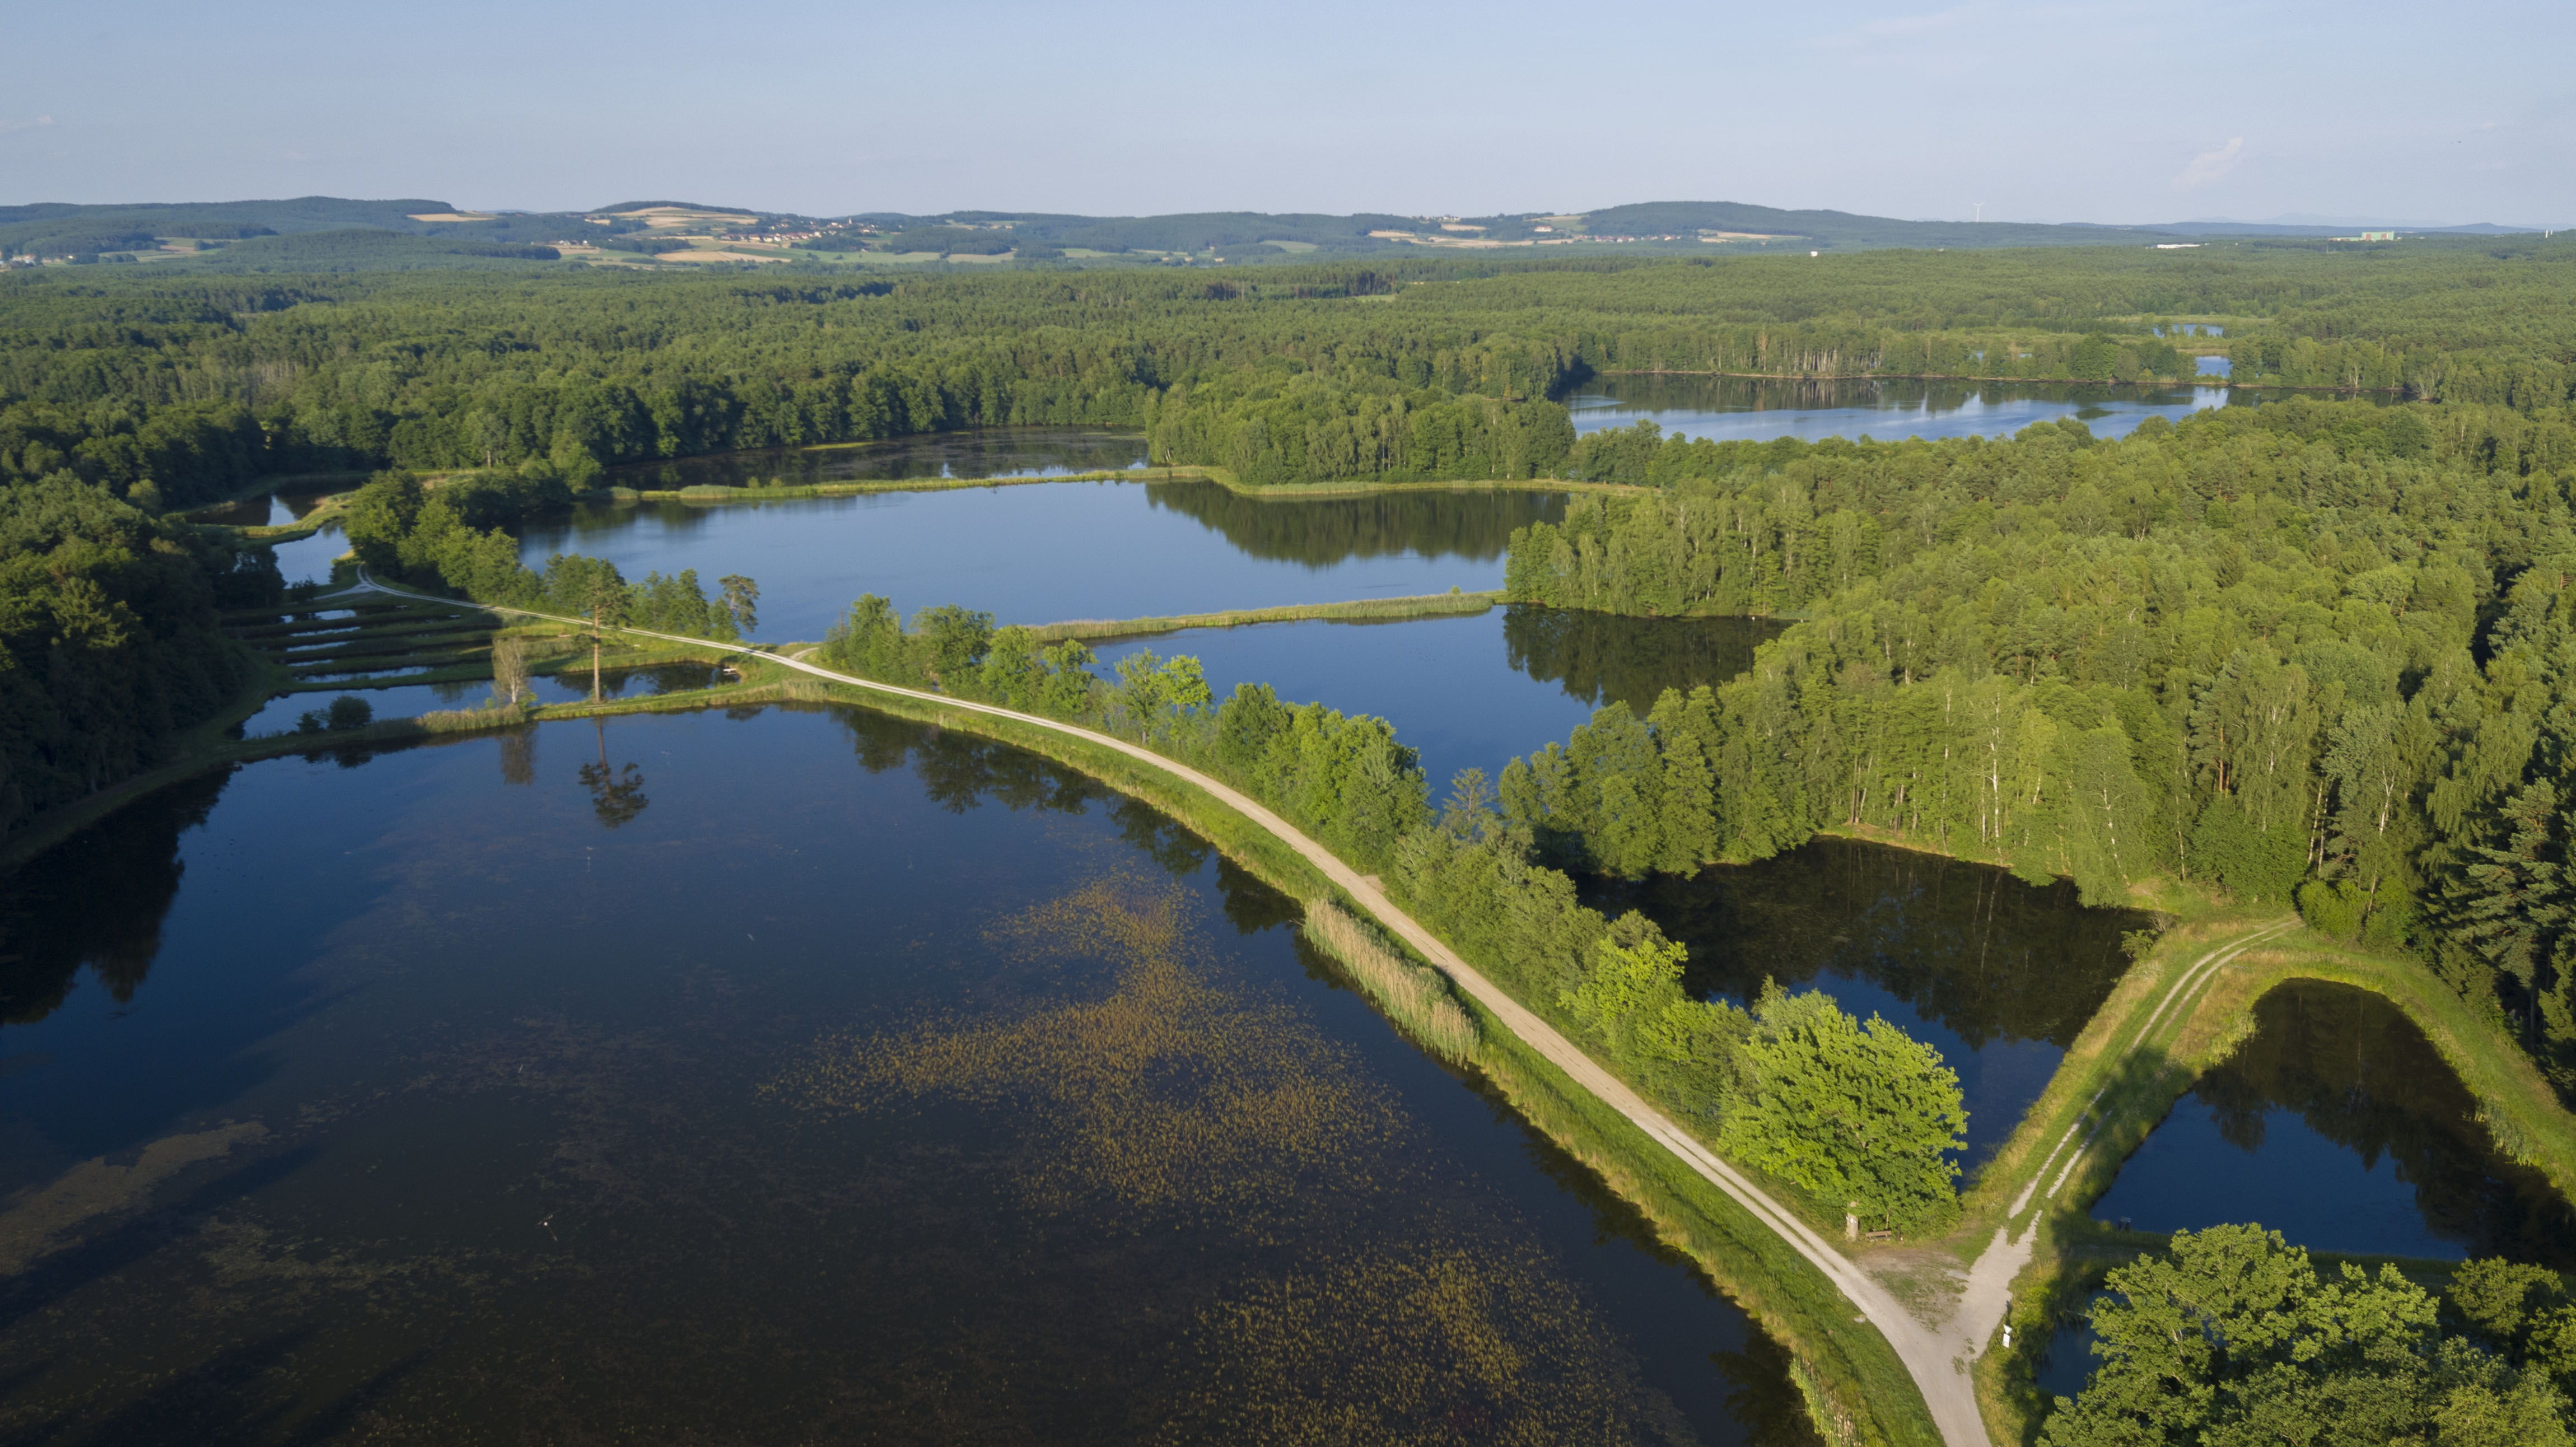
x: 616, y: 795
x: 987, y: 452
x: 2360, y: 1073
x: 1325, y: 530
x: 97, y: 899
x: 1603, y: 656
x: 1966, y: 945
x: 962, y: 772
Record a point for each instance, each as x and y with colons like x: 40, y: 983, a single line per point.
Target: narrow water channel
x: 783, y: 1074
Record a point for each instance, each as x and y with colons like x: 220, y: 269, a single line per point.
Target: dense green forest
x: 108, y: 641
x: 201, y: 383
x: 2312, y: 650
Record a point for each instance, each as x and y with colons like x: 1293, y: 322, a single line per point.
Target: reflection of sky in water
x: 308, y: 559
x: 2213, y: 366
x: 1442, y: 682
x: 2315, y: 1191
x: 1027, y: 554
x: 1868, y: 410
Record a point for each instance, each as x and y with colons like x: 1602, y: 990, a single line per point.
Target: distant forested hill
x: 634, y: 232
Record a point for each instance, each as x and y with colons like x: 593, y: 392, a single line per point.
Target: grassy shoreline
x: 1422, y: 605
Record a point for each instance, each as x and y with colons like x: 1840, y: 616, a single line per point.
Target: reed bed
x: 1414, y: 996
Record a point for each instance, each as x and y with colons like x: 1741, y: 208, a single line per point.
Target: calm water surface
x: 773, y: 1075
x: 1044, y: 552
x: 1471, y: 692
x: 1999, y: 976
x: 1732, y: 409
x: 2339, y: 1126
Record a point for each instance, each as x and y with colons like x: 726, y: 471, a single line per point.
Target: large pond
x: 1997, y: 975
x: 1471, y: 692
x: 2339, y: 1126
x: 775, y: 1075
x: 1732, y: 409
x: 1046, y: 552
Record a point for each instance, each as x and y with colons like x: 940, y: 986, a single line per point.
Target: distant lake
x: 1757, y: 409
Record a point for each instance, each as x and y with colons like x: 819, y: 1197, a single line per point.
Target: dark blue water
x: 1727, y: 409
x: 1049, y: 552
x: 2339, y: 1126
x: 2000, y: 977
x: 1470, y: 692
x: 2069, y: 1361
x: 778, y: 1075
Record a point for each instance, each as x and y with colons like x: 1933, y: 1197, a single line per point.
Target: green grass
x: 1423, y: 605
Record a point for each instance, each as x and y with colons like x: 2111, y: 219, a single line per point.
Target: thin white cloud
x: 2208, y: 166
x: 36, y: 124
x: 1895, y: 28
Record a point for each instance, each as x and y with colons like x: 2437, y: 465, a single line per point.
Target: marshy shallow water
x: 787, y: 1073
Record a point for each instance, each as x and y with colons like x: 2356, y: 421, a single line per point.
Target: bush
x: 2333, y: 909
x: 2254, y: 864
x: 349, y: 711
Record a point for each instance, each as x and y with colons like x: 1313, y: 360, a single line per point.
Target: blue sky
x: 2168, y: 109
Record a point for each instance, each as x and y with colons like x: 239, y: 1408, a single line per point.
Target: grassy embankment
x: 1423, y: 605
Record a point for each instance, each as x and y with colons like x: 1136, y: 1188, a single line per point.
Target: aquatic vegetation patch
x: 1175, y: 1090
x: 1415, y: 1342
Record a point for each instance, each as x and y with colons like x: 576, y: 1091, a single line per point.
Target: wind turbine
x: 1981, y: 213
